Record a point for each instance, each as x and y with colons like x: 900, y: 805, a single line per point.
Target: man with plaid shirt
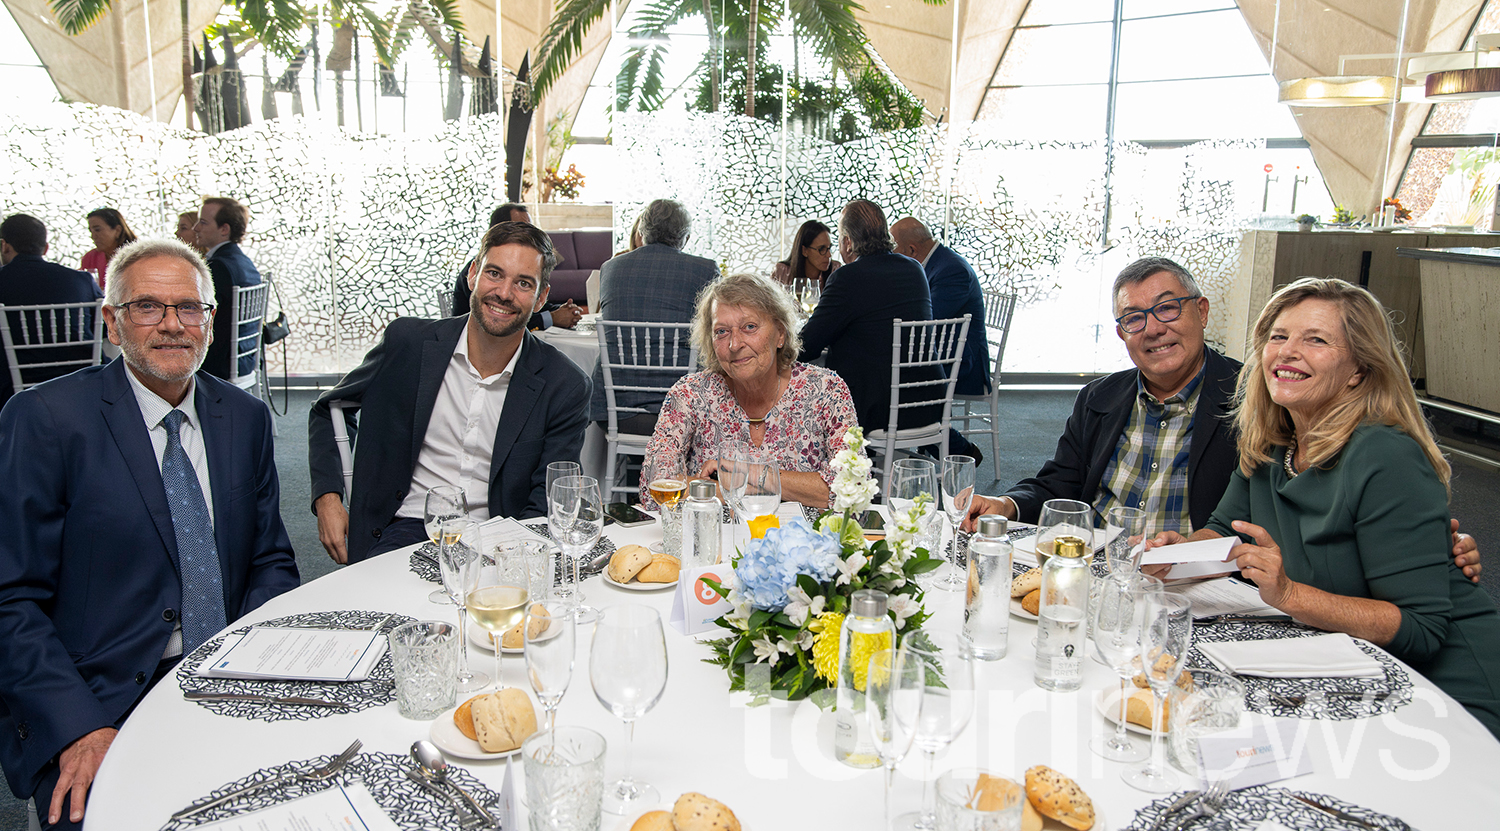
x: 1160, y: 436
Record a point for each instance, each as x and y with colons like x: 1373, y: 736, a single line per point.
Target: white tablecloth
x: 1429, y: 762
x: 583, y: 349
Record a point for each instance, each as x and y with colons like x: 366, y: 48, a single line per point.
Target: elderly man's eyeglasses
x: 150, y: 312
x: 1166, y: 311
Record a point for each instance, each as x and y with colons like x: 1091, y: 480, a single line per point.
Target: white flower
x: 805, y: 638
x: 850, y: 567
x: 852, y: 487
x: 764, y: 650
x: 802, y: 606
x: 903, y: 607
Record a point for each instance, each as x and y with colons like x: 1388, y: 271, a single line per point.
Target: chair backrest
x: 651, y: 354
x: 999, y: 308
x: 923, y: 343
x: 345, y: 446
x: 248, y: 306
x: 444, y: 301
x: 36, y: 338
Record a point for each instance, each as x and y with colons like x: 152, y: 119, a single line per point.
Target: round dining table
x: 1428, y: 762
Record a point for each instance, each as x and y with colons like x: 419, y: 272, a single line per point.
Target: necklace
x: 1291, y: 450
x: 774, y: 399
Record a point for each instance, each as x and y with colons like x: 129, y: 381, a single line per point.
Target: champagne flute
x: 550, y: 636
x: 628, y: 670
x: 499, y: 598
x: 459, y: 565
x: 577, y: 519
x: 443, y: 503
x: 1064, y: 518
x: 958, y: 492
x: 893, y: 700
x: 1117, y: 637
x: 947, y: 704
x: 763, y: 486
x: 1125, y: 527
x: 1166, y: 637
x: 556, y: 471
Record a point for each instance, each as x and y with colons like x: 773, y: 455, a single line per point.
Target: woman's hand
x: 1466, y: 554
x: 1261, y: 563
x: 1161, y: 538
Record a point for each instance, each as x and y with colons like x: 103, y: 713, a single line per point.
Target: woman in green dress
x: 1341, y: 496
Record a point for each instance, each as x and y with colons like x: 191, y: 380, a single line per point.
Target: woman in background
x: 811, y: 258
x: 109, y: 232
x: 186, y: 221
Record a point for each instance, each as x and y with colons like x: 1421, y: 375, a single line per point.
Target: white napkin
x: 1333, y: 655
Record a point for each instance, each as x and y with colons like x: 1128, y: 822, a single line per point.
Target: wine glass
x: 556, y: 471
x: 893, y: 698
x: 576, y: 517
x: 911, y: 478
x: 1166, y: 637
x: 763, y: 486
x: 459, y: 565
x: 443, y: 503
x: 1117, y: 637
x: 734, y: 475
x: 500, y: 596
x: 1064, y: 518
x: 628, y: 670
x: 958, y: 492
x: 947, y: 704
x: 550, y: 635
x: 1124, y: 527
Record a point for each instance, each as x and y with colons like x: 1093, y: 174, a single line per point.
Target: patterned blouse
x: 805, y: 429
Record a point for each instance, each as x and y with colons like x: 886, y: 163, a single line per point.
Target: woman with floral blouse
x: 752, y: 391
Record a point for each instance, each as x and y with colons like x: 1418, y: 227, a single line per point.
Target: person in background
x: 811, y: 257
x: 108, y: 231
x: 220, y: 228
x: 186, y: 222
x: 29, y: 280
x: 563, y: 315
x: 1340, y: 498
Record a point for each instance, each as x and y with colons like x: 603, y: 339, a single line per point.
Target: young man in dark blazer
x: 475, y: 402
x: 220, y: 229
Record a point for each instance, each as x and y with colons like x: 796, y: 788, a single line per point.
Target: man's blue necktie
x: 197, y: 556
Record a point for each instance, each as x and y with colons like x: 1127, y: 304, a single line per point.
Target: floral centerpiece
x: 791, y: 589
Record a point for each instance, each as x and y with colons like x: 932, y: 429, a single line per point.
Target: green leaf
x: 809, y: 585
x: 714, y: 584
x: 76, y: 16
x: 759, y: 618
x: 563, y: 41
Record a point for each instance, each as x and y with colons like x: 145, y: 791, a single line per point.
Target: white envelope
x: 1199, y: 551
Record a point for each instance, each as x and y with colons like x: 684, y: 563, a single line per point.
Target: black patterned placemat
x: 424, y: 563
x: 593, y: 563
x: 1249, y: 807
x: 408, y: 804
x: 375, y: 691
x: 1379, y: 695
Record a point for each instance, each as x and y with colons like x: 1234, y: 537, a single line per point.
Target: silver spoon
x: 435, y: 768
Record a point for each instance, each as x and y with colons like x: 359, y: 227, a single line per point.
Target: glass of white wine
x: 499, y: 599
x: 444, y: 502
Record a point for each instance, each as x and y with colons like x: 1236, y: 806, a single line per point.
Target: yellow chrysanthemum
x: 862, y: 645
x: 761, y: 524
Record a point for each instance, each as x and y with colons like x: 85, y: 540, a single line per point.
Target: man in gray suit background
x: 655, y: 283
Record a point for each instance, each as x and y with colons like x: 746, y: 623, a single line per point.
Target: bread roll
x: 1033, y: 602
x: 463, y: 718
x: 1139, y: 706
x: 503, y: 720
x: 1026, y: 582
x: 627, y: 562
x: 696, y: 812
x: 653, y: 821
x: 1059, y: 797
x: 663, y: 568
x: 512, y: 638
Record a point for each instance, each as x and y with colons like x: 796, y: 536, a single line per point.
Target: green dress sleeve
x: 1235, y: 504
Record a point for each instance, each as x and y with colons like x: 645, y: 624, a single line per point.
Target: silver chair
x: 916, y: 344
x: 649, y: 352
x: 444, y: 301
x: 35, y: 338
x: 344, y: 443
x: 998, y: 310
x: 246, y: 307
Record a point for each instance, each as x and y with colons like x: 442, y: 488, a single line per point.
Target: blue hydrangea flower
x: 770, y: 565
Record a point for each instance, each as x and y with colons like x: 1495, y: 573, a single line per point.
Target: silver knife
x: 478, y: 810
x: 196, y: 695
x: 1182, y: 802
x: 1333, y: 812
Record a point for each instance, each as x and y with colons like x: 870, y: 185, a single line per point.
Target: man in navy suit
x: 141, y: 514
x: 475, y: 402
x: 221, y: 227
x: 29, y: 280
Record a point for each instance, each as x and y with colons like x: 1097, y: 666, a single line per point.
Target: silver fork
x: 316, y: 775
x: 1207, y: 806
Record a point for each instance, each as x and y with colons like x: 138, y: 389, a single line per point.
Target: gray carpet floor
x: 1033, y: 421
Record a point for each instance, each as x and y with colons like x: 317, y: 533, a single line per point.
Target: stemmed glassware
x: 958, y: 492
x: 911, y: 478
x: 1166, y: 637
x: 1064, y: 518
x: 1117, y: 637
x: 576, y: 519
x: 947, y: 704
x: 734, y: 477
x: 443, y: 503
x: 500, y: 596
x: 459, y: 564
x: 1125, y: 527
x: 893, y: 701
x: 628, y: 670
x: 555, y: 471
x: 550, y: 636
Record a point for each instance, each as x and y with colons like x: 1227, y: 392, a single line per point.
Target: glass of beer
x: 668, y: 493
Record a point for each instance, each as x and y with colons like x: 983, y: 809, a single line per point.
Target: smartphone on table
x: 627, y: 516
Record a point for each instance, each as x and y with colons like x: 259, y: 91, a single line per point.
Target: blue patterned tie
x: 197, y: 557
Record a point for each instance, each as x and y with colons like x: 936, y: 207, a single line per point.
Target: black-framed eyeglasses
x: 150, y: 312
x: 822, y: 249
x: 1166, y: 311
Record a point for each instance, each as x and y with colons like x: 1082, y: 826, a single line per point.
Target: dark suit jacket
x: 1100, y: 414
x: 230, y: 267
x: 30, y: 280
x: 653, y: 284
x: 395, y: 389
x: 462, y: 295
x: 955, y: 293
x: 89, y: 584
x: 853, y: 322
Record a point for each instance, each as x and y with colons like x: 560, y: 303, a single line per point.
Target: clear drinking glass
x: 911, y: 478
x: 443, y: 503
x: 550, y: 636
x: 958, y: 492
x: 564, y: 779
x: 628, y: 670
x: 1166, y: 637
x: 459, y: 565
x: 556, y: 471
x: 668, y: 493
x: 424, y: 655
x: 1125, y: 527
x: 893, y: 684
x: 1117, y: 637
x: 1214, y: 704
x: 947, y: 705
x: 576, y: 519
x: 734, y: 478
x: 959, y: 810
x: 1064, y: 517
x: 762, y: 487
